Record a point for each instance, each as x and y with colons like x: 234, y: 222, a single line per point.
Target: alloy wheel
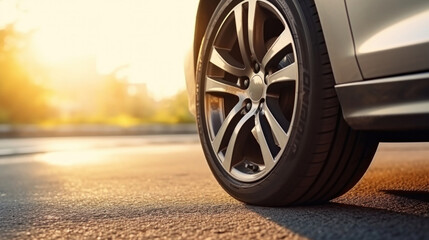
x: 250, y: 90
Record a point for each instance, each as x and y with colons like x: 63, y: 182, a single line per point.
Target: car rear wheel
x: 269, y: 120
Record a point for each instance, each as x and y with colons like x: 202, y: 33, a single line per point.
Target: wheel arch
x: 338, y: 36
x: 205, y: 11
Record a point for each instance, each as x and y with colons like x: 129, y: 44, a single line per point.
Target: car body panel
x: 190, y: 80
x: 391, y: 36
x: 339, y: 41
x: 204, y: 13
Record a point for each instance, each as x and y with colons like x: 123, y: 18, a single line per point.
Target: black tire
x: 323, y: 157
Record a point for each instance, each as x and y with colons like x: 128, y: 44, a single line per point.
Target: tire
x: 268, y: 116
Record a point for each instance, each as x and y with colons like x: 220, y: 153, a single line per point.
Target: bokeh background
x: 113, y: 63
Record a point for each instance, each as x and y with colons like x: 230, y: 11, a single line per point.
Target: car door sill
x: 388, y: 104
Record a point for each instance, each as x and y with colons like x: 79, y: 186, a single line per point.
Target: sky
x: 145, y: 40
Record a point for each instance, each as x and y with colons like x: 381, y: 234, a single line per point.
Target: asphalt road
x: 161, y: 188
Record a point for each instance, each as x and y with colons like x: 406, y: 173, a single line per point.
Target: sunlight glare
x: 72, y: 158
x: 148, y: 38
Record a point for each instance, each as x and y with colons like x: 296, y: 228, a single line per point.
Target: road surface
x: 161, y: 188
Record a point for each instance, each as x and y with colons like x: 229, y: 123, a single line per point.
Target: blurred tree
x: 179, y: 108
x: 77, y: 93
x: 111, y: 96
x: 139, y: 103
x: 22, y: 100
x: 118, y: 98
x: 174, y: 110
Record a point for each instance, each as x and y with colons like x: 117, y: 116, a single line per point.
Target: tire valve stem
x: 252, y: 167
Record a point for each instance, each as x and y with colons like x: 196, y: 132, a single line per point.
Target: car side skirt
x: 389, y: 104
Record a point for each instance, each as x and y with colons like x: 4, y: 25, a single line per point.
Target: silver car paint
x: 339, y: 41
x: 391, y: 36
x: 190, y: 80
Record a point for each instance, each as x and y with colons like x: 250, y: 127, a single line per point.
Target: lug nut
x: 246, y: 83
x: 248, y: 106
x: 257, y: 67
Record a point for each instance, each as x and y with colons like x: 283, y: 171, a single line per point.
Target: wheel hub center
x: 256, y: 88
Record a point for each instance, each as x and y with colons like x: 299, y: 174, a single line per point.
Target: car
x: 292, y: 97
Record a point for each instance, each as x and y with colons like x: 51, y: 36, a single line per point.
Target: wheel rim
x: 250, y: 90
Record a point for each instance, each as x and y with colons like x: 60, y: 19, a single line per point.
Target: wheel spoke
x: 279, y: 134
x: 216, y: 86
x: 227, y: 162
x: 217, y: 141
x: 265, y: 149
x: 251, y: 21
x: 287, y: 74
x: 282, y: 41
x: 222, y: 59
x: 242, y: 38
